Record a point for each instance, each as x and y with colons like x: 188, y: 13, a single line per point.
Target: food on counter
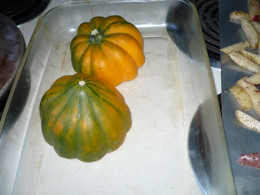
x: 250, y: 160
x: 241, y: 97
x: 245, y: 84
x: 110, y: 48
x: 238, y: 52
x: 253, y: 9
x: 236, y: 16
x: 244, y: 62
x: 254, y: 79
x: 250, y: 32
x: 236, y: 47
x: 246, y: 24
x: 257, y: 26
x: 251, y: 56
x: 82, y: 117
x: 245, y: 91
x: 252, y: 92
x: 248, y: 121
x: 248, y: 96
x: 255, y: 18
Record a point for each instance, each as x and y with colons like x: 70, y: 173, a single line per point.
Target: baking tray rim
x: 33, y: 37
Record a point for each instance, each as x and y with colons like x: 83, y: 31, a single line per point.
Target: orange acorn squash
x: 82, y: 117
x: 110, y: 48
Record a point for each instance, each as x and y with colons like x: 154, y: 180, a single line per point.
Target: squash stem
x: 82, y: 83
x: 95, y: 36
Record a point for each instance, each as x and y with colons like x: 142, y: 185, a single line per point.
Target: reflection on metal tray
x: 200, y: 150
x: 154, y: 159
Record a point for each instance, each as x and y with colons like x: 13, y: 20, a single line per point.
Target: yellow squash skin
x: 82, y: 117
x: 110, y: 48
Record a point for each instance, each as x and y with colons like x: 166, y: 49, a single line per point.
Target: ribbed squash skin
x: 84, y: 122
x: 115, y: 53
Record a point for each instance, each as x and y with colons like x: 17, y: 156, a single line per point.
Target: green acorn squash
x: 83, y: 117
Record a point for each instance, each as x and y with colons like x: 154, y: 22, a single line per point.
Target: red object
x: 255, y: 18
x: 250, y: 160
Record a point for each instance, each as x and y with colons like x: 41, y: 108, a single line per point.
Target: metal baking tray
x: 239, y: 139
x: 173, y: 95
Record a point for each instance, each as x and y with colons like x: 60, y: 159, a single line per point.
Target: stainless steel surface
x: 163, y: 99
x: 239, y: 139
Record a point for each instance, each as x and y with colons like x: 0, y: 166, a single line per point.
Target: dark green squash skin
x: 84, y: 122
